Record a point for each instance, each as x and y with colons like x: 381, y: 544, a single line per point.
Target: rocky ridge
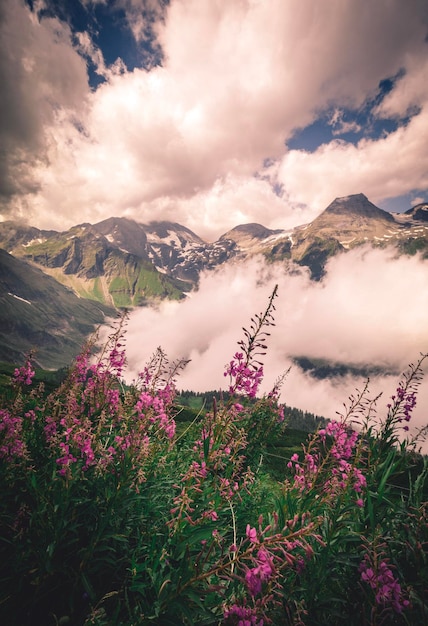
x: 122, y: 262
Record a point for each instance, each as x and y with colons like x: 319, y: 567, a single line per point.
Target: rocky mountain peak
x: 249, y: 234
x: 357, y: 205
x: 126, y: 234
x: 419, y: 212
x: 164, y: 231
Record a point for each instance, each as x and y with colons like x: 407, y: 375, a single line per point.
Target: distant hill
x: 38, y: 312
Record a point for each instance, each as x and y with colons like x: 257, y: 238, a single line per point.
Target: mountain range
x: 55, y: 286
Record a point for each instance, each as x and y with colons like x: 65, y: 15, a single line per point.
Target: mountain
x: 125, y: 263
x: 346, y: 223
x: 180, y: 253
x: 119, y: 262
x: 109, y: 262
x: 38, y: 312
x: 419, y: 212
x: 249, y: 236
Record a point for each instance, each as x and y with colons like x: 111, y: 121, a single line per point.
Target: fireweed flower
x: 65, y: 460
x: 401, y: 408
x: 263, y: 571
x: 25, y: 374
x: 251, y: 534
x: 244, y: 378
x: 154, y: 408
x: 334, y: 471
x: 253, y: 581
x: 12, y: 444
x: 242, y: 616
x: 387, y: 590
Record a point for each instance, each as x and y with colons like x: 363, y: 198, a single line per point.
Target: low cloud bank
x: 370, y: 309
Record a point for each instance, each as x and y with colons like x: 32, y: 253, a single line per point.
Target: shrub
x: 108, y: 516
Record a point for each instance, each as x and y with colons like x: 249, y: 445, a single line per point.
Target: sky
x: 214, y: 113
x: 210, y: 113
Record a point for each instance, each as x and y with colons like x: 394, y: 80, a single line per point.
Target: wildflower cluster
x: 24, y: 375
x: 156, y: 407
x: 246, y: 379
x: 381, y: 580
x: 403, y: 404
x: 242, y: 616
x: 12, y: 444
x: 265, y: 558
x: 245, y: 370
x: 113, y: 513
x: 329, y: 463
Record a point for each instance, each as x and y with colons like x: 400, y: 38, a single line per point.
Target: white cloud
x: 340, y: 126
x: 410, y: 91
x: 369, y: 310
x: 237, y: 80
x: 418, y: 200
x: 386, y: 167
x: 87, y: 48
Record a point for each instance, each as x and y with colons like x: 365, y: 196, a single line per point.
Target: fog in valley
x: 370, y: 309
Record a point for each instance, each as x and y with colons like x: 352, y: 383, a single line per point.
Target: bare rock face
x: 354, y: 206
x: 419, y: 212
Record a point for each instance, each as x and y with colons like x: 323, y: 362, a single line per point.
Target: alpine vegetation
x: 114, y: 512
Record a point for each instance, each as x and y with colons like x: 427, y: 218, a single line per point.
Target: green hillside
x: 84, y: 261
x: 37, y: 312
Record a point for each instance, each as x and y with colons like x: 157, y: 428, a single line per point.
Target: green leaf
x: 195, y: 536
x: 88, y: 587
x: 206, y: 448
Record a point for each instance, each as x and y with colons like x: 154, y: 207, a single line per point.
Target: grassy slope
x: 36, y: 311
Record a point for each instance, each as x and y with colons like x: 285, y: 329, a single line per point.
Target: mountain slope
x: 125, y: 263
x: 97, y: 265
x: 37, y: 312
x: 346, y: 223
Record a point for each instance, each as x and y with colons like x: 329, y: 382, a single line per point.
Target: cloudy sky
x: 210, y: 113
x: 214, y: 113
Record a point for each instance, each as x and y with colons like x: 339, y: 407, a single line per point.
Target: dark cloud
x: 40, y: 73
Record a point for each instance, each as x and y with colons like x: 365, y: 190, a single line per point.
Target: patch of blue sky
x: 350, y: 125
x: 403, y: 203
x: 114, y: 37
x: 109, y: 31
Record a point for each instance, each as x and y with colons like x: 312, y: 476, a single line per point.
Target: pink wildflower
x: 388, y: 592
x: 259, y: 574
x: 24, y: 375
x: 251, y: 534
x: 11, y: 441
x: 246, y: 616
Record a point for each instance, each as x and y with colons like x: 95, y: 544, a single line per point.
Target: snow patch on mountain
x: 18, y: 297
